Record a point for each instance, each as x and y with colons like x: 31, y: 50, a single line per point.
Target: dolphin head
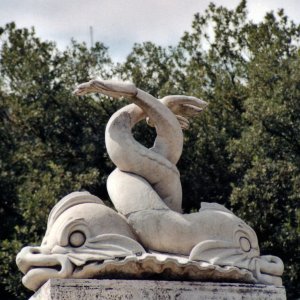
x: 80, y: 229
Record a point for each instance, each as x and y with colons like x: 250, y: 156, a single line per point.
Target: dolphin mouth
x: 39, y: 265
x: 37, y: 276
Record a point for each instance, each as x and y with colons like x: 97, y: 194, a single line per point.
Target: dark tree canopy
x: 243, y: 152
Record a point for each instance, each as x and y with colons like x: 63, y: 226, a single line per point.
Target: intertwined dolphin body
x: 148, y: 228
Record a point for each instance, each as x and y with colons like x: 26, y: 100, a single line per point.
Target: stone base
x: 93, y: 289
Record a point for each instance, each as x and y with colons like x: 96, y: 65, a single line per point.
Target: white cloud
x: 120, y: 23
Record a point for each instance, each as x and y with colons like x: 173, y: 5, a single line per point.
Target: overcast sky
x: 121, y: 23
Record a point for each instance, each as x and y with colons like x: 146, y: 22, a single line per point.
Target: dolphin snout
x: 38, y: 265
x: 27, y: 256
x: 268, y: 269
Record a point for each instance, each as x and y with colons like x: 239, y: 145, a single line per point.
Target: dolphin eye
x: 245, y: 244
x: 77, y: 239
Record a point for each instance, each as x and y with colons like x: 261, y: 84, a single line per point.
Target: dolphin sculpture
x: 86, y: 239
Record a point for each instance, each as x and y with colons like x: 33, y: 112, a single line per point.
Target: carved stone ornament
x: 147, y: 236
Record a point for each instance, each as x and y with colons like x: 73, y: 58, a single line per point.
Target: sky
x: 121, y: 23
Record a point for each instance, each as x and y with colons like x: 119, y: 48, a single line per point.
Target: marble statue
x: 147, y: 235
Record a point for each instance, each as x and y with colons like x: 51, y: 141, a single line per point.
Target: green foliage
x: 52, y: 143
x: 243, y: 151
x: 266, y: 157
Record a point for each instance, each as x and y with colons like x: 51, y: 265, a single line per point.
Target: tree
x: 53, y: 142
x: 267, y: 155
x: 242, y: 152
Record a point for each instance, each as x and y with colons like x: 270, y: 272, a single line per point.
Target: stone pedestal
x: 92, y: 289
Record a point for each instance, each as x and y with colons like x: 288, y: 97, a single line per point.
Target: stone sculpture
x: 148, y: 235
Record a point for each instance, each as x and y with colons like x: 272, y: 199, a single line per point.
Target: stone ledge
x: 94, y: 289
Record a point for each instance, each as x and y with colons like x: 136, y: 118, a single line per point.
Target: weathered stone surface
x: 86, y: 239
x: 70, y: 289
